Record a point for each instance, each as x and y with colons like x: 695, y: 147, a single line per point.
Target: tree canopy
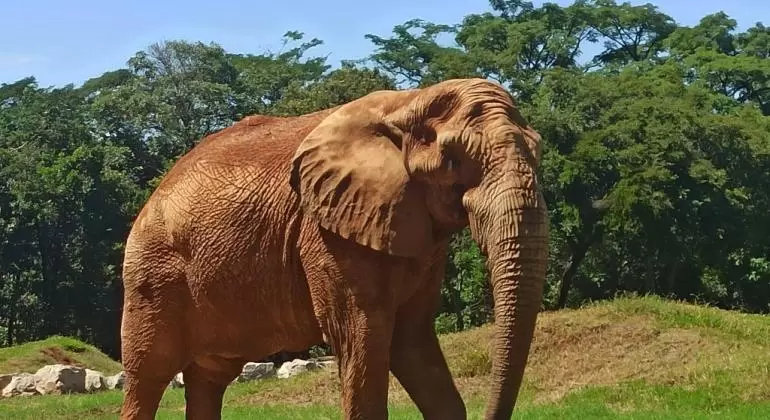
x: 656, y: 158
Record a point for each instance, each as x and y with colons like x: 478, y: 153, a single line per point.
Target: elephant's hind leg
x: 206, y: 380
x: 154, y: 343
x: 146, y: 377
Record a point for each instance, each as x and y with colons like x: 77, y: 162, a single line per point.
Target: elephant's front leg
x: 361, y: 340
x: 420, y: 367
x: 416, y: 358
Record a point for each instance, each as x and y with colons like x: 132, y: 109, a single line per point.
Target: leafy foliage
x: 655, y: 167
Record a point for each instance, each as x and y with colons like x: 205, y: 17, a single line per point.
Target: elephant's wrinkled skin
x: 277, y: 233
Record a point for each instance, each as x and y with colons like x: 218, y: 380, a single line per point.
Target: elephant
x: 278, y: 233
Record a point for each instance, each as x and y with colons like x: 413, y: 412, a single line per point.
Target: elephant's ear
x: 351, y: 178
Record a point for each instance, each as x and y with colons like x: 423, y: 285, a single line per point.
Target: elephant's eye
x: 429, y: 135
x: 423, y: 134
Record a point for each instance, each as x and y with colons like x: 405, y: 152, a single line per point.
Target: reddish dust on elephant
x: 276, y: 234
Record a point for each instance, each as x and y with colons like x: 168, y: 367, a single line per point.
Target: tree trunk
x: 12, y: 310
x: 455, y: 299
x: 48, y: 291
x: 579, y: 251
x: 569, y: 273
x: 671, y: 277
x: 458, y: 305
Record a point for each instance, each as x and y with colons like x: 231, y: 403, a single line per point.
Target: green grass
x: 29, y: 357
x: 633, y: 400
x: 631, y: 358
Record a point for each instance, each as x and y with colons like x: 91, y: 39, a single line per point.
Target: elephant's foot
x: 206, y: 380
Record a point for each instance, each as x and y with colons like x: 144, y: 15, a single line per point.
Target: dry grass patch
x: 604, y: 352
x: 602, y: 345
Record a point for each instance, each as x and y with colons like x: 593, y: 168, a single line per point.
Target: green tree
x: 265, y: 78
x: 66, y: 204
x: 335, y: 88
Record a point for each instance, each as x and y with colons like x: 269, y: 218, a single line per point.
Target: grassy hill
x: 30, y: 357
x: 628, y: 358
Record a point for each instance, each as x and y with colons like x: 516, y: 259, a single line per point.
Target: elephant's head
x: 395, y: 170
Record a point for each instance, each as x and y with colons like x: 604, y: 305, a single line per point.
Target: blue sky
x: 62, y: 42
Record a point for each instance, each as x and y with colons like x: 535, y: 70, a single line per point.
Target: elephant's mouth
x: 458, y: 191
x: 446, y: 207
x: 459, y: 215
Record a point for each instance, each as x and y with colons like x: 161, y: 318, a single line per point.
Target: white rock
x: 95, y: 381
x: 296, y: 367
x: 5, y: 379
x: 178, y: 381
x: 60, y: 379
x: 327, y: 364
x: 115, y: 381
x: 253, y: 371
x: 21, y: 384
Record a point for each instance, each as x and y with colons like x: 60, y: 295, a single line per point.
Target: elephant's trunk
x: 515, y: 239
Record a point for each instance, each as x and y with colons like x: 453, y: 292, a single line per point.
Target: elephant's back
x: 257, y: 141
x: 226, y: 188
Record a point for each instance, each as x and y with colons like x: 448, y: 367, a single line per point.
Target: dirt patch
x: 59, y: 356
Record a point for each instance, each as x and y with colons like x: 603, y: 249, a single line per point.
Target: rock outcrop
x: 95, y: 381
x: 60, y: 379
x: 66, y: 379
x: 115, y: 381
x: 254, y: 371
x: 21, y: 384
x: 296, y: 367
